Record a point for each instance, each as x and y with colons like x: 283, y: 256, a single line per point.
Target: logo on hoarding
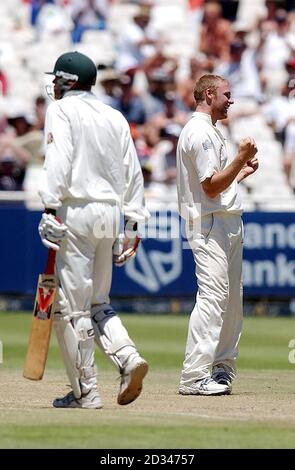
x: 156, y: 268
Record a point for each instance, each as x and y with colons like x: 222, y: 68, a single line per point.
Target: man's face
x: 221, y: 100
x: 57, y: 88
x: 61, y: 86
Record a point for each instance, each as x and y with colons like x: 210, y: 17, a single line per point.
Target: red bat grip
x: 50, y: 266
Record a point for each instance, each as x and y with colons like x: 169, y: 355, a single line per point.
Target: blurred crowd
x: 149, y: 55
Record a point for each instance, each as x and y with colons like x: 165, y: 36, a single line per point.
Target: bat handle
x: 50, y: 266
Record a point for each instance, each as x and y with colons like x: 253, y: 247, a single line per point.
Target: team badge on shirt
x: 49, y: 137
x: 207, y: 144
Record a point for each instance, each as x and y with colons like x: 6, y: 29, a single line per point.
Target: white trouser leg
x: 212, y: 252
x: 74, y: 270
x: 75, y: 265
x: 84, y: 261
x: 227, y: 349
x: 206, y: 318
x: 111, y: 336
x: 102, y: 272
x: 72, y: 319
x: 76, y: 341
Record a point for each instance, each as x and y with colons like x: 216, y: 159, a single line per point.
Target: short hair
x: 205, y: 82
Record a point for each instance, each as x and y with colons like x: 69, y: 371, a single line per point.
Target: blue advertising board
x: 164, y: 265
x: 269, y: 254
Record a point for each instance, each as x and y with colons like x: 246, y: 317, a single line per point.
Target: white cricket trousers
x: 84, y: 269
x: 216, y: 321
x: 84, y: 261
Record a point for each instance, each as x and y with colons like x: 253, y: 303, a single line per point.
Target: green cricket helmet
x: 74, y: 69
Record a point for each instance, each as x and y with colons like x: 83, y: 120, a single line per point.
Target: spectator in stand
x: 173, y: 112
x: 40, y: 110
x: 138, y: 41
x: 271, y: 9
x: 36, y: 7
x: 154, y: 190
x: 160, y: 60
x: 108, y: 83
x: 88, y: 14
x: 279, y: 111
x: 53, y: 19
x: 11, y: 173
x: 277, y: 41
x: 162, y: 104
x: 160, y: 82
x: 128, y: 102
x: 27, y: 138
x: 195, y: 9
x: 27, y: 144
x: 216, y: 33
x: 241, y: 71
x: 163, y: 158
x: 13, y: 161
x: 198, y: 65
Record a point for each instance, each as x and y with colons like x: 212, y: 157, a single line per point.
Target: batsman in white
x: 91, y: 177
x: 209, y: 201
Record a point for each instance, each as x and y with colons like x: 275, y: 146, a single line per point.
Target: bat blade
x: 41, y: 327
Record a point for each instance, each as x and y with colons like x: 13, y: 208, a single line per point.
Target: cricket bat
x: 41, y: 322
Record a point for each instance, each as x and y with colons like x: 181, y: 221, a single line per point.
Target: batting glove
x: 52, y: 231
x: 125, y: 246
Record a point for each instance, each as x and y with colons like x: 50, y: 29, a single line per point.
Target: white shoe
x: 222, y: 375
x: 89, y: 400
x: 131, y: 380
x: 206, y: 386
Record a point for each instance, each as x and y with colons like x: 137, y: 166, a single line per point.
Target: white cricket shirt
x: 201, y: 152
x: 90, y: 156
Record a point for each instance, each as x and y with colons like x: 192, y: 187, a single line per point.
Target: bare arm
x: 222, y: 180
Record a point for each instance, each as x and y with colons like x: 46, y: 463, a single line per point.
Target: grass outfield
x: 259, y: 414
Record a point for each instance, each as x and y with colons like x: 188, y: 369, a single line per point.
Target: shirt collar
x: 207, y: 117
x: 204, y: 116
x: 76, y: 92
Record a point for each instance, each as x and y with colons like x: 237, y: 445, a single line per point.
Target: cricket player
x: 91, y: 177
x: 209, y: 201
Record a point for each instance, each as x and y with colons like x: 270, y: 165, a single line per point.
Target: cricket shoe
x: 131, y: 380
x: 206, y: 386
x: 87, y: 400
x: 222, y: 375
